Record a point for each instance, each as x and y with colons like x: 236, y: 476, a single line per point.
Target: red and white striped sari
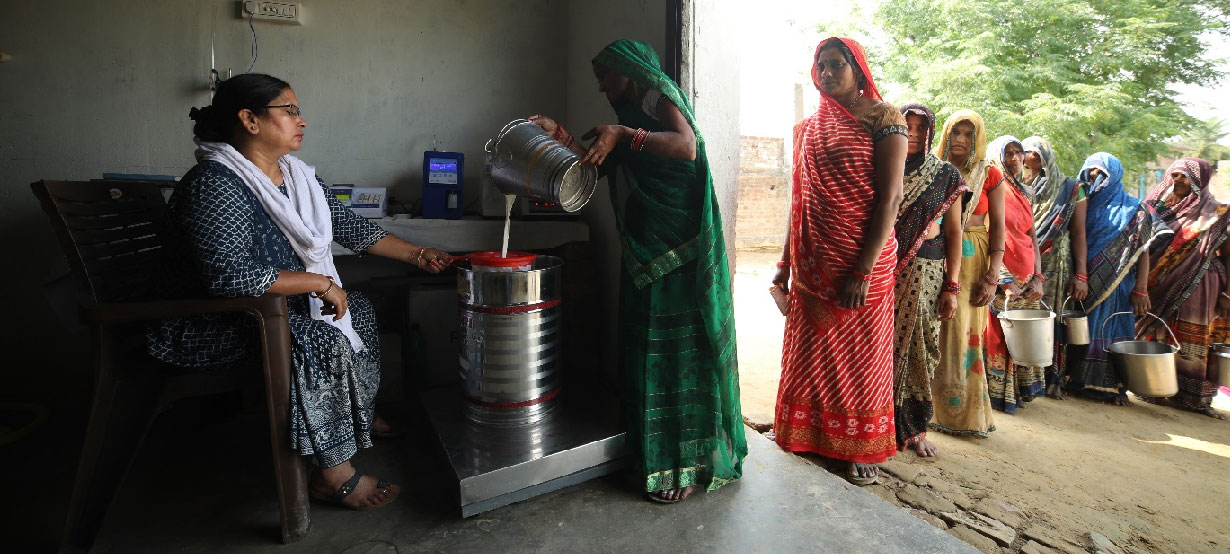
x: 836, y: 392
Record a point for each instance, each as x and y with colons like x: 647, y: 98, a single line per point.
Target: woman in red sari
x: 836, y: 392
x: 1020, y: 283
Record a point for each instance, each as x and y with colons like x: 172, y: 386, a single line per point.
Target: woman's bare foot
x: 863, y: 474
x: 926, y: 449
x: 1209, y: 411
x: 382, y: 429
x: 1056, y: 392
x: 671, y: 496
x: 1121, y: 400
x: 366, y: 494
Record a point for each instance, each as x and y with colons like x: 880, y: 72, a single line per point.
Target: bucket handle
x: 492, y: 149
x: 493, y: 155
x: 1106, y: 348
x: 1079, y: 303
x: 1008, y: 322
x: 1063, y: 308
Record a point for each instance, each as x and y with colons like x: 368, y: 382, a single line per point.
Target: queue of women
x: 902, y: 251
x: 898, y: 253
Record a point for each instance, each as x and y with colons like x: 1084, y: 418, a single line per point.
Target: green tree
x: 1205, y: 136
x: 1089, y: 75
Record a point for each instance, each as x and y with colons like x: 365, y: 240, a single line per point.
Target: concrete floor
x: 213, y: 493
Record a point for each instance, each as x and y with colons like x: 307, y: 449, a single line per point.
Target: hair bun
x: 197, y: 114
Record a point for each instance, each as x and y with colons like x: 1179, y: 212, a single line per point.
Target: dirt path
x: 1149, y: 478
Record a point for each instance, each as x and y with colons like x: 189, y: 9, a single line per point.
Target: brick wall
x: 764, y: 193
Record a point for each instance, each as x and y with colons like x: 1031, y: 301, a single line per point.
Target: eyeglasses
x: 292, y: 109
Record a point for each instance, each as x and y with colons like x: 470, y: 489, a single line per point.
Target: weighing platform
x: 496, y: 466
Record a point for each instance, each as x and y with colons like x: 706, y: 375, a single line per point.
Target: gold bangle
x: 418, y: 260
x: 327, y: 289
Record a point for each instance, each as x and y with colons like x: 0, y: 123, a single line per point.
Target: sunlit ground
x: 1195, y: 444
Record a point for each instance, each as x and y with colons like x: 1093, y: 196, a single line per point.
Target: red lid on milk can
x: 493, y: 259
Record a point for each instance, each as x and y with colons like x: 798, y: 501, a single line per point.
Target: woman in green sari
x: 676, y: 320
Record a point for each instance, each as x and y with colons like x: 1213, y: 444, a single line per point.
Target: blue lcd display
x: 442, y: 165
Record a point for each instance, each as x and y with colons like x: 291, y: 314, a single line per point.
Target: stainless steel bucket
x: 1030, y: 335
x: 1075, y: 323
x: 1219, y: 359
x: 1148, y: 366
x: 511, y: 350
x: 525, y: 161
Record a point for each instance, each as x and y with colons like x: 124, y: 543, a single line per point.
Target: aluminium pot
x: 1029, y: 335
x: 1219, y: 361
x: 1148, y: 366
x: 525, y: 161
x: 1075, y: 323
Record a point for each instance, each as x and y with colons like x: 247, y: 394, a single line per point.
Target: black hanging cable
x: 255, y: 49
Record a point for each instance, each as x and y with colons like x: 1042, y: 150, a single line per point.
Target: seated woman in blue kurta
x: 253, y: 219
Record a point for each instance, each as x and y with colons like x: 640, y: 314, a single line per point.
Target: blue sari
x: 1119, y: 228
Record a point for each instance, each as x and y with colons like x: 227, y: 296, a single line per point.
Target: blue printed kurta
x: 230, y: 247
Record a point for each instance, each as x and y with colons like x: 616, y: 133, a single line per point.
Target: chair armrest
x: 263, y: 307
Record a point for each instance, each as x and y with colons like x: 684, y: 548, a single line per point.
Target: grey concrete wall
x: 715, y: 76
x: 592, y: 25
x: 106, y: 86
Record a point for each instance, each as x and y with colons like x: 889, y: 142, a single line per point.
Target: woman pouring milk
x: 677, y: 333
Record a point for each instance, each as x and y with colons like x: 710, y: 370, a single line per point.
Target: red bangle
x: 638, y: 140
x: 1040, y: 277
x: 953, y: 287
x: 1080, y: 277
x: 559, y: 132
x: 568, y: 143
x: 1138, y: 293
x: 782, y: 264
x: 861, y: 276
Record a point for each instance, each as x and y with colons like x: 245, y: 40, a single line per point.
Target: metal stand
x: 496, y: 466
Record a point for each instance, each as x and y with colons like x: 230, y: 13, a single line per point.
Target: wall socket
x: 285, y: 12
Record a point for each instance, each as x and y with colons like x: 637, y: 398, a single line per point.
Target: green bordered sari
x: 677, y: 332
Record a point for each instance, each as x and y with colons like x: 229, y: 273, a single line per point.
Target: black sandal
x: 654, y: 497
x: 349, y: 486
x: 854, y: 479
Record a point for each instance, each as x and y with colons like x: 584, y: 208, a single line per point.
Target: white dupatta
x: 302, y: 214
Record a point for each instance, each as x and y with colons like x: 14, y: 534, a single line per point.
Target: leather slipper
x: 349, y: 486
